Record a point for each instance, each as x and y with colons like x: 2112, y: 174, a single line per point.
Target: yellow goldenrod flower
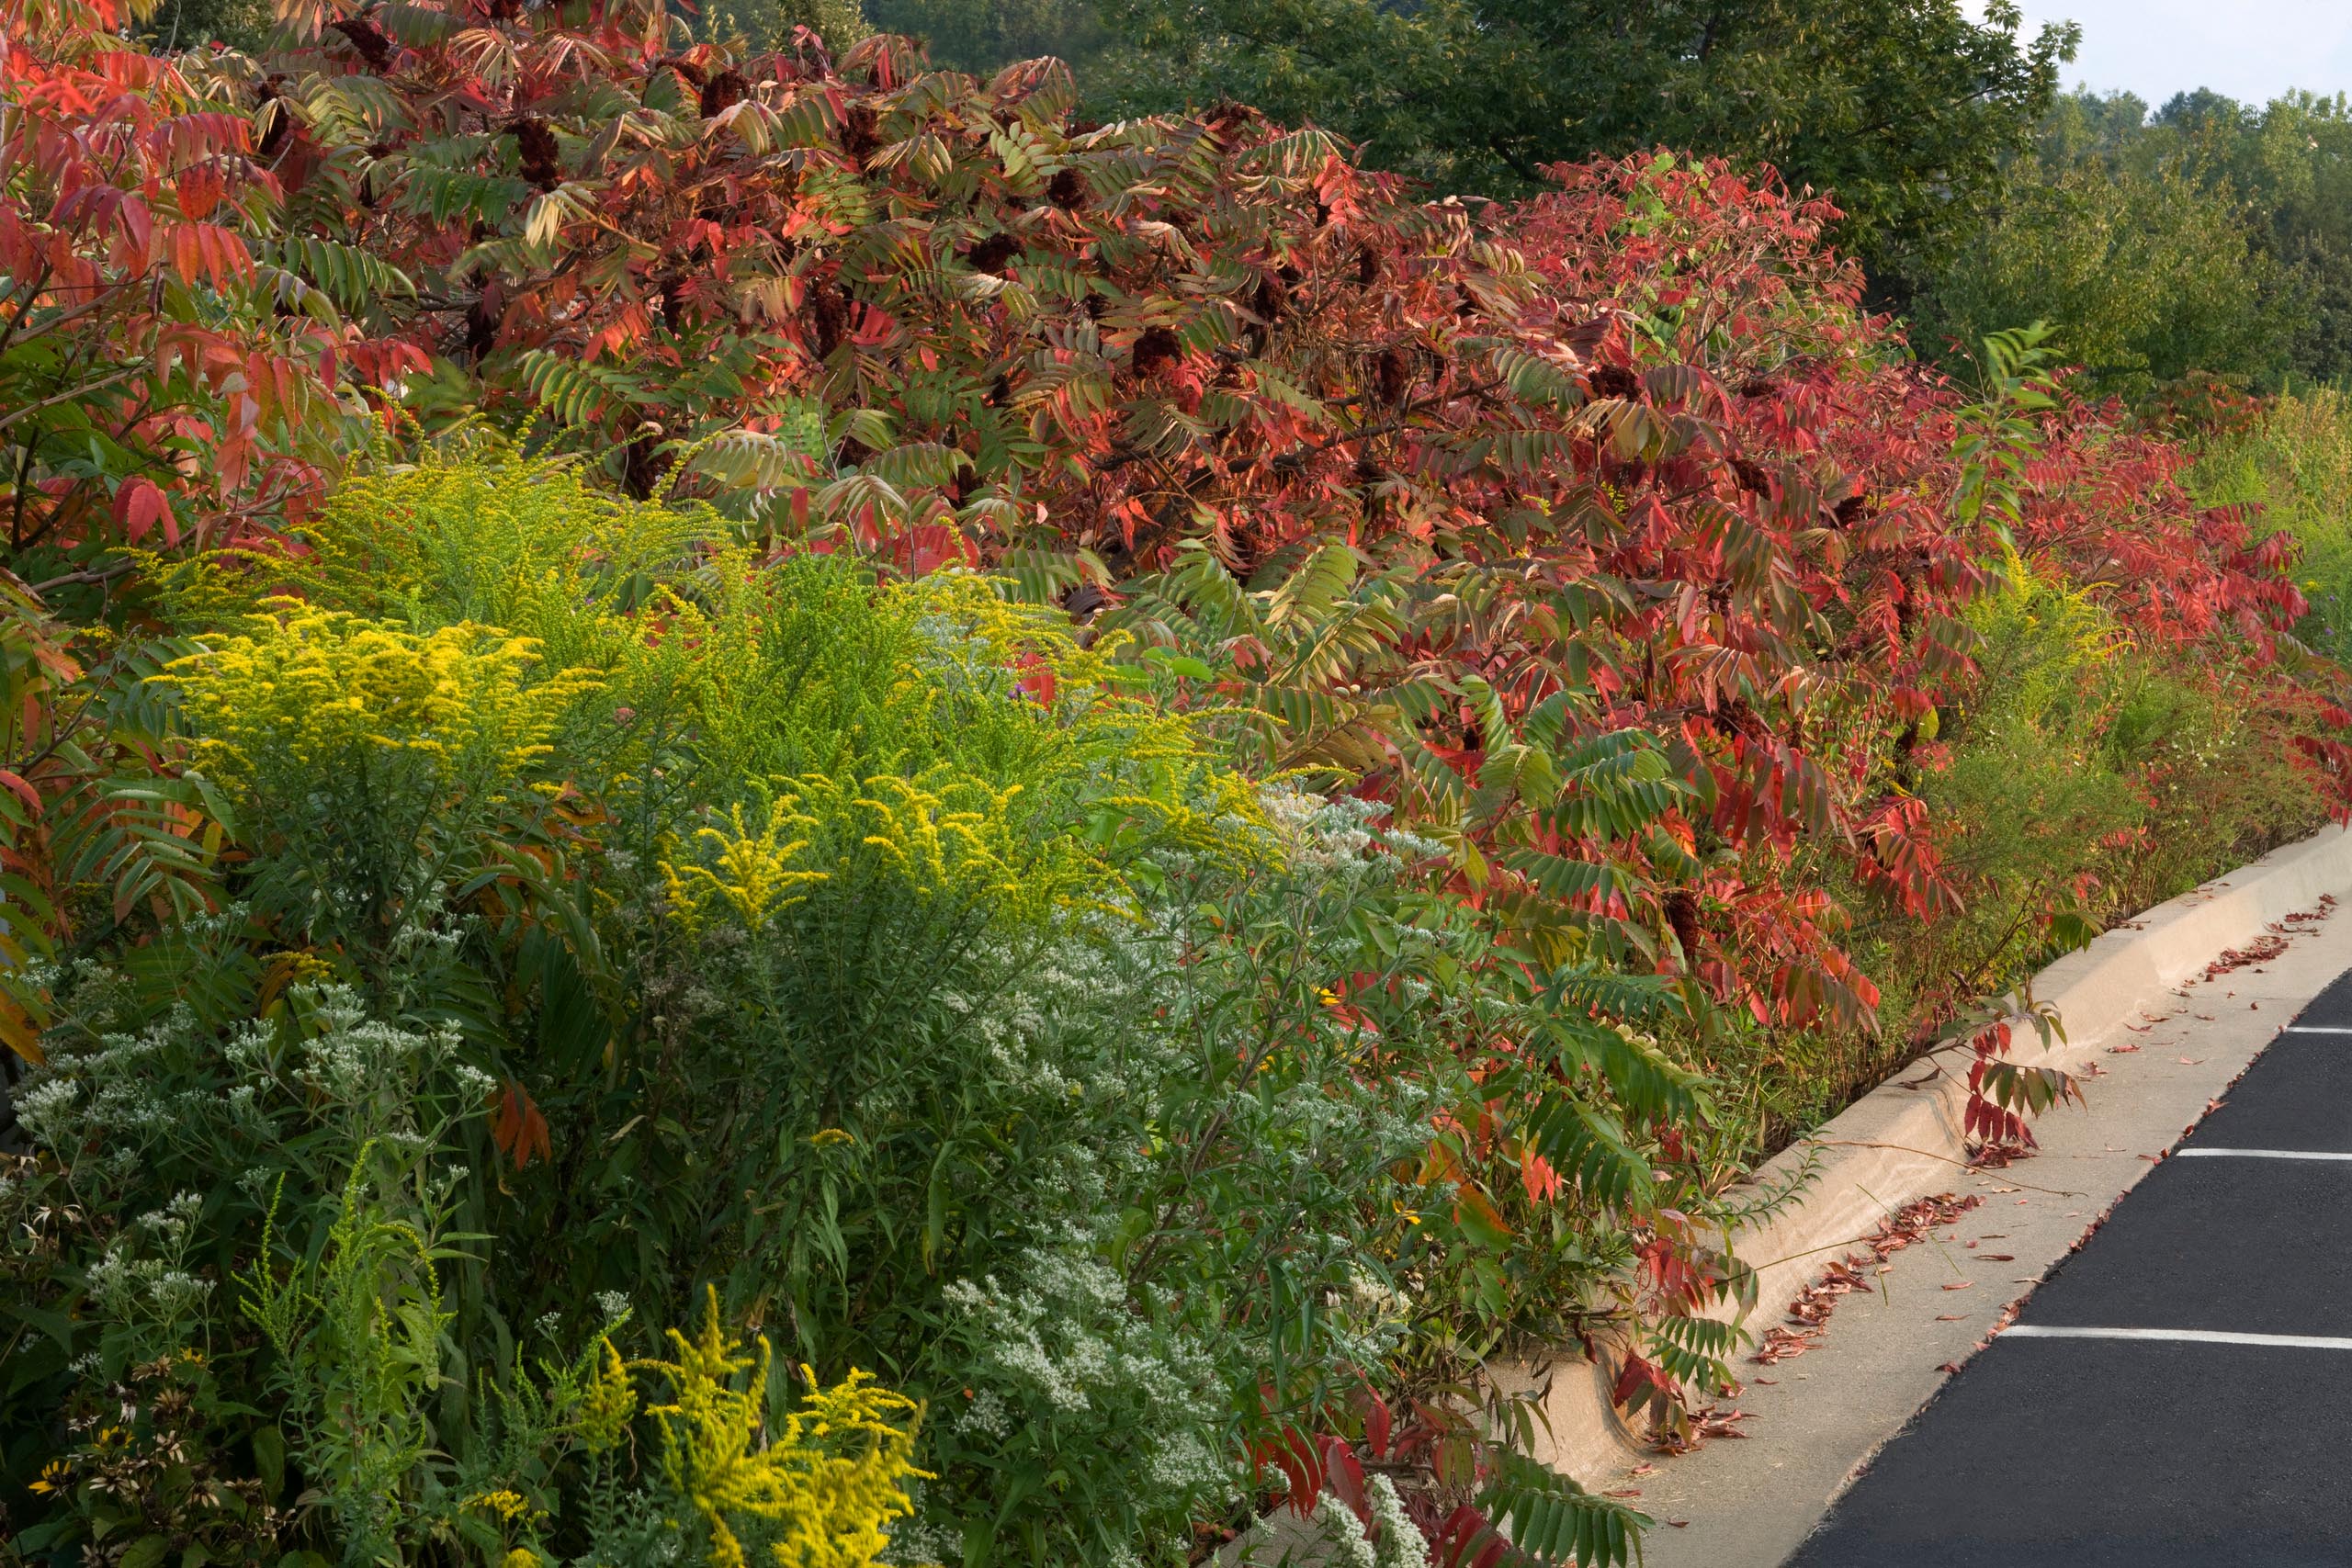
x: 506, y: 1504
x: 754, y: 875
x: 608, y: 1406
x: 827, y: 1483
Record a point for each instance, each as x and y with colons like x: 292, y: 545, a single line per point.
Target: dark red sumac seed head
x: 1393, y: 375
x: 1067, y: 190
x: 1266, y: 304
x: 483, y: 318
x: 991, y: 253
x: 829, y: 317
x: 1682, y: 917
x: 542, y: 159
x: 1614, y: 381
x: 364, y: 37
x: 1156, y: 351
x: 1850, y: 510
x: 860, y: 131
x: 1367, y: 265
x: 1752, y: 478
x: 642, y: 466
x: 723, y: 92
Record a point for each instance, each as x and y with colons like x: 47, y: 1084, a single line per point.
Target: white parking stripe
x: 2318, y: 1029
x: 2201, y: 1153
x: 2193, y: 1336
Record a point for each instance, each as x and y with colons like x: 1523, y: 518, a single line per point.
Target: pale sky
x: 2252, y: 49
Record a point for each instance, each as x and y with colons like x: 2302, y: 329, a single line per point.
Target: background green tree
x: 2147, y: 274
x: 1904, y: 108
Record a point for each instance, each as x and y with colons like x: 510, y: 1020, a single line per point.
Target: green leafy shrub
x: 2294, y: 463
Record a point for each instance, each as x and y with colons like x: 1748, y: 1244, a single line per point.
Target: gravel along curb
x: 1903, y: 1140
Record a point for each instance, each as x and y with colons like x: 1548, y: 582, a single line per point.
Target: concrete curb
x: 1903, y: 1140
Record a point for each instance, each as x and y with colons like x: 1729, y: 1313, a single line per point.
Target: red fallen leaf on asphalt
x: 1721, y: 1423
x: 1949, y: 1367
x: 2000, y: 1258
x: 1767, y: 1382
x: 2139, y: 1028
x: 1964, y: 1285
x: 1679, y: 1524
x: 2192, y: 1061
x: 1951, y: 1317
x: 2120, y: 1050
x: 1625, y: 1492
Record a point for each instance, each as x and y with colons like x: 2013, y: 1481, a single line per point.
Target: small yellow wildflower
x: 831, y: 1138
x: 522, y: 1557
x: 55, y: 1477
x: 507, y: 1504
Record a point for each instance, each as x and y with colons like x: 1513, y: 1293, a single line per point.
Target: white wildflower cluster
x: 914, y: 1544
x: 1391, y: 1541
x: 1064, y: 1334
x: 1339, y: 1528
x: 613, y: 1306
x: 151, y: 1294
x: 1401, y: 1543
x: 1373, y: 1301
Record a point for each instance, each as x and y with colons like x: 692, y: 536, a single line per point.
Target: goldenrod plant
x: 819, y: 1492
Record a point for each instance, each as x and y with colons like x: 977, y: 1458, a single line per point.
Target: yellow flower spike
x: 608, y: 1406
x: 828, y: 1483
x: 754, y: 875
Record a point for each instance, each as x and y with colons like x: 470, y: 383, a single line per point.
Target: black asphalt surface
x: 2110, y: 1453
